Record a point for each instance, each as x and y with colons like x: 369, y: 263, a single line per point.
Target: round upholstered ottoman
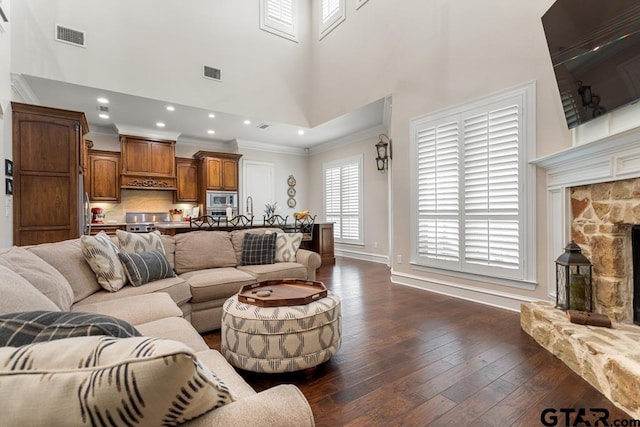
x: 280, y: 339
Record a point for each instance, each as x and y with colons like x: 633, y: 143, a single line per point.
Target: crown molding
x: 22, y: 89
x: 271, y: 148
x: 213, y: 144
x: 349, y: 139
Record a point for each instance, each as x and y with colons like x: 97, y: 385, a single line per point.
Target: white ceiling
x: 190, y: 124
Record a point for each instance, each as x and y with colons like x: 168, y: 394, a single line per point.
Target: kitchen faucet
x: 249, y: 206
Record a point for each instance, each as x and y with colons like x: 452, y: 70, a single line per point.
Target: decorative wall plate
x: 291, y: 202
x: 291, y: 181
x: 291, y: 192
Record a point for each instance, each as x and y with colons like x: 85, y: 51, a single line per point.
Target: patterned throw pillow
x: 258, y: 249
x: 139, y: 242
x: 102, y: 255
x: 145, y: 267
x: 106, y: 380
x: 287, y: 245
x: 18, y: 329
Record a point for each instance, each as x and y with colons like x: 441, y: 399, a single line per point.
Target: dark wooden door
x: 46, y: 154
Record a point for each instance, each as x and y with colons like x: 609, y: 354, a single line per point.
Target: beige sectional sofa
x: 177, y: 308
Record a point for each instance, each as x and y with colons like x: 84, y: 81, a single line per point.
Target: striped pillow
x: 106, y: 380
x: 28, y: 327
x: 145, y: 267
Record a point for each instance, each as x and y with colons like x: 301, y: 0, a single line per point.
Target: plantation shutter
x: 438, y: 192
x: 343, y: 194
x: 280, y: 11
x: 329, y: 9
x: 491, y: 188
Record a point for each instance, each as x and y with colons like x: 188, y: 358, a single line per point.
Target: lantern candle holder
x: 573, y: 280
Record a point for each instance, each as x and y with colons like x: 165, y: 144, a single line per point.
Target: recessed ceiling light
x: 103, y: 100
x: 212, y: 116
x: 211, y: 132
x: 103, y: 116
x: 170, y: 108
x: 300, y: 132
x: 247, y: 122
x: 160, y: 124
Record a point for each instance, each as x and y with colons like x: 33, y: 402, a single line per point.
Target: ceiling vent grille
x: 212, y: 73
x: 263, y: 126
x: 70, y: 36
x: 102, y: 108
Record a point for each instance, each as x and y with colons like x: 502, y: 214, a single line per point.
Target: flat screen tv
x: 595, y: 51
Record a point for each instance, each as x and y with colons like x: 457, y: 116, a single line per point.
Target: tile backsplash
x: 139, y: 201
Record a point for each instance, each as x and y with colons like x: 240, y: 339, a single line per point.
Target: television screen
x: 595, y: 51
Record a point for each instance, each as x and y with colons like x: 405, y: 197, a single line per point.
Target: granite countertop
x: 172, y: 224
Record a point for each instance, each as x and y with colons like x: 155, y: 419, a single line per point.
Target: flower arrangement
x: 270, y: 209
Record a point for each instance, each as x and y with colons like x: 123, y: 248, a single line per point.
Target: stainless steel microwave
x: 219, y: 200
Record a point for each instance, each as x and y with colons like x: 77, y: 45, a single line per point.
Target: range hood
x: 147, y: 163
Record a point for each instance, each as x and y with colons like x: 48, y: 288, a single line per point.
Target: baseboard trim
x: 362, y: 256
x: 504, y: 300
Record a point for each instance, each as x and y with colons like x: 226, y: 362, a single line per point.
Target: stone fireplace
x: 593, y: 198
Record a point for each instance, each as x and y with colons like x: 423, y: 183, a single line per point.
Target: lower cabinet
x: 322, y: 242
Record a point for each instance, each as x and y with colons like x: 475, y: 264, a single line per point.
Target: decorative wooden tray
x: 285, y: 292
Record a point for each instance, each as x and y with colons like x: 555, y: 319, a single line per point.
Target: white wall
x: 428, y: 56
x: 6, y: 220
x: 156, y: 49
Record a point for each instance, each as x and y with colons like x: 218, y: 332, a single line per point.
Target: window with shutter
x: 343, y: 199
x: 280, y: 17
x: 331, y: 14
x: 474, y: 188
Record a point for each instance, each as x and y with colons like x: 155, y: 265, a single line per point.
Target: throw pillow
x: 42, y: 275
x: 139, y: 242
x: 287, y: 244
x: 19, y: 295
x: 258, y: 249
x: 145, y: 267
x: 102, y: 255
x: 106, y: 380
x: 18, y: 329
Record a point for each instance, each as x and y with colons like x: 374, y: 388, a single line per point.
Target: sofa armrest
x: 309, y: 259
x: 283, y: 406
x: 135, y: 309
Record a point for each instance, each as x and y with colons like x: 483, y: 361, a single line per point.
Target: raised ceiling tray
x: 285, y: 292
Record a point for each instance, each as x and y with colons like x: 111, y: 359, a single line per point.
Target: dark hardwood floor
x: 415, y: 358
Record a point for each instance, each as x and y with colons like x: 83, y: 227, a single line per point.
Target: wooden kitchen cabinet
x: 322, y: 242
x: 147, y: 163
x: 187, y: 180
x: 47, y: 158
x: 104, y: 176
x: 216, y: 171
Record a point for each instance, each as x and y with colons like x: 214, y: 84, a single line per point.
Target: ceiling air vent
x: 211, y: 73
x: 263, y: 126
x: 102, y: 108
x: 69, y: 35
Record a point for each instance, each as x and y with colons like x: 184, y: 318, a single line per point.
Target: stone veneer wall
x: 602, y: 218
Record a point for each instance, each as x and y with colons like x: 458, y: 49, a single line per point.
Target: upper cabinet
x: 104, y: 176
x: 187, y: 173
x: 148, y: 163
x: 218, y: 171
x: 47, y: 168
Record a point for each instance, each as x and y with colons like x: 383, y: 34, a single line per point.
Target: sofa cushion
x: 169, y: 244
x: 177, y: 289
x: 43, y: 276
x: 287, y: 244
x: 23, y: 328
x: 134, y: 309
x: 199, y: 250
x: 145, y: 267
x: 139, y: 242
x: 175, y: 328
x: 138, y: 380
x: 281, y: 270
x: 102, y: 255
x: 258, y: 249
x: 216, y: 283
x: 67, y: 258
x: 19, y: 295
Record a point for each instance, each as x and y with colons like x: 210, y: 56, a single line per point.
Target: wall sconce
x: 383, y: 149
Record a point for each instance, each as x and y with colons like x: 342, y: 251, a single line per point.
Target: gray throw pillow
x: 145, y: 267
x: 17, y: 329
x: 258, y: 249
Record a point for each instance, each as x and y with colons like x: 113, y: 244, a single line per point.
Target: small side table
x: 281, y: 339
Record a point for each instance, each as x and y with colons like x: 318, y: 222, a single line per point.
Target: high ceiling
x: 191, y: 124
